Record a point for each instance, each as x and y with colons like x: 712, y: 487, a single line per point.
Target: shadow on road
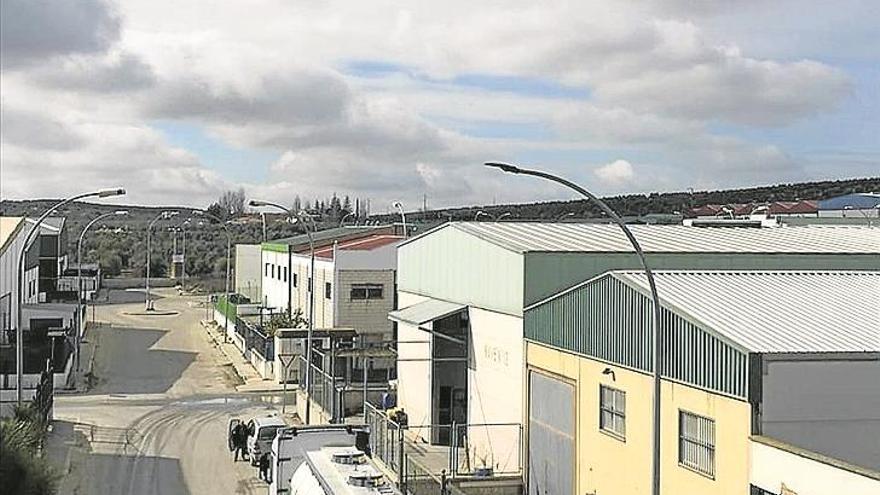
x: 111, y: 471
x: 126, y: 364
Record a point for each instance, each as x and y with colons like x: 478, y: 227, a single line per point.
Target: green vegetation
x: 282, y: 320
x: 22, y: 469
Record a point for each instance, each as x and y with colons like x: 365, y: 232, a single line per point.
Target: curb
x: 217, y: 343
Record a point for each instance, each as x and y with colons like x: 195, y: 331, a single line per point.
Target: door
x: 551, y: 432
x: 230, y: 427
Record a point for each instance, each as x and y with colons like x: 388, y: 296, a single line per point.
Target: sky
x: 179, y: 101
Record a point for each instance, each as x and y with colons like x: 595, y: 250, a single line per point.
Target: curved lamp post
x: 164, y: 215
x: 19, y: 329
x: 564, y: 215
x: 222, y: 223
x: 342, y: 221
x: 79, y: 284
x: 503, y: 216
x: 513, y: 169
x: 399, y: 207
x: 482, y: 213
x: 300, y: 216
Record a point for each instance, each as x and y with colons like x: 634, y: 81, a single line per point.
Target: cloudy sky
x: 180, y: 100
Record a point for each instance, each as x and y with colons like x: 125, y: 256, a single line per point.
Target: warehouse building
x: 277, y: 279
x: 462, y: 288
x: 769, y: 384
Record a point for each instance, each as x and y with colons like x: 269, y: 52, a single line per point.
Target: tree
x: 230, y: 205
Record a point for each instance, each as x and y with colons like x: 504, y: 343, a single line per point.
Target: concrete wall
x: 495, y: 387
x: 249, y: 271
x: 369, y: 316
x: 275, y: 290
x: 606, y: 464
x: 414, y: 377
x: 9, y: 274
x: 323, y: 274
x: 829, y: 407
x: 774, y: 468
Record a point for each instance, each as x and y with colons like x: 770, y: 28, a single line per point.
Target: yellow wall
x: 607, y: 465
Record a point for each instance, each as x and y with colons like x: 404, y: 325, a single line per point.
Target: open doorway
x: 449, y: 398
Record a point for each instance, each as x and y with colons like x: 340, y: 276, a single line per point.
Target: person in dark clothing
x: 264, y: 467
x: 239, y: 441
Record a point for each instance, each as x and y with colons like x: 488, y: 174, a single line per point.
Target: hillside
x: 120, y: 242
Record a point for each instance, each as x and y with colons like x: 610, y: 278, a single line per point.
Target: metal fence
x: 255, y: 339
x: 386, y: 438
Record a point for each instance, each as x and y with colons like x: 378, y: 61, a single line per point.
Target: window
x: 696, y: 443
x: 328, y: 290
x: 310, y: 284
x: 361, y: 292
x: 612, y: 411
x: 267, y: 269
x: 285, y: 274
x: 295, y: 280
x: 272, y: 272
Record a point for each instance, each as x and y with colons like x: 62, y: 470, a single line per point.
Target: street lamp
x: 300, y: 215
x: 228, y: 265
x: 164, y: 215
x: 482, y: 213
x: 399, y: 207
x: 79, y: 284
x: 342, y: 222
x: 502, y: 216
x: 19, y: 329
x: 564, y: 215
x: 513, y: 169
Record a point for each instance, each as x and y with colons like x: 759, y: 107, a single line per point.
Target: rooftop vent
x: 352, y: 456
x: 366, y: 478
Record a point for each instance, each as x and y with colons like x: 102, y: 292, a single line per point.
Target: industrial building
x: 769, y: 384
x: 462, y: 289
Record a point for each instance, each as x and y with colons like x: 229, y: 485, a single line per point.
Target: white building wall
x: 9, y: 279
x: 414, y: 377
x: 495, y: 387
x: 773, y: 469
x: 275, y: 289
x: 300, y: 292
x: 249, y: 271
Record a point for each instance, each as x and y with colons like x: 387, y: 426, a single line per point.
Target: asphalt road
x: 155, y: 420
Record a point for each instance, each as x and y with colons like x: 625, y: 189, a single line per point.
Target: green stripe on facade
x: 274, y: 247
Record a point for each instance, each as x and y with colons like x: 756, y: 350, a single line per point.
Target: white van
x: 261, y: 431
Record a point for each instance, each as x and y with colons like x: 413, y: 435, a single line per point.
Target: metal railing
x: 455, y: 451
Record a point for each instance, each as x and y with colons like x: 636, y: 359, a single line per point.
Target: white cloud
x: 616, y: 173
x: 271, y: 76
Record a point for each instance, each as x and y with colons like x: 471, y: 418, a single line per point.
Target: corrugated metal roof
x: 776, y: 311
x: 590, y: 237
x: 425, y: 311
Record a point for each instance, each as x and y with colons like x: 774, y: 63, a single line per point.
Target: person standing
x: 239, y: 441
x: 264, y: 467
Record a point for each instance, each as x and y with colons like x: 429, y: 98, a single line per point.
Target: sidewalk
x: 251, y: 380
